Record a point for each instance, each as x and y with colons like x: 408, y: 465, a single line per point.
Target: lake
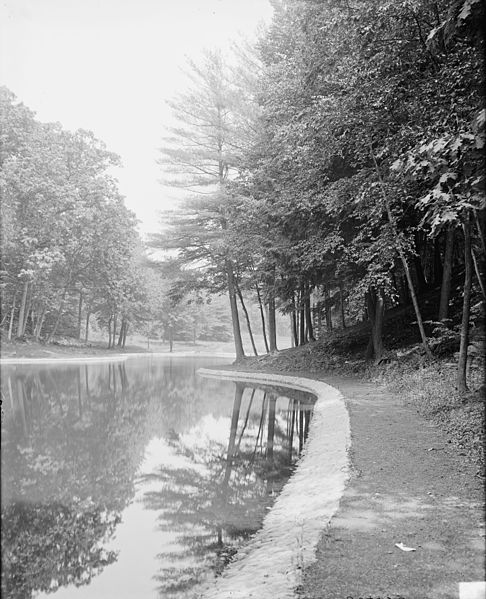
x: 136, y: 478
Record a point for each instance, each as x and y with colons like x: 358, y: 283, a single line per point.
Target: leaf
x: 404, y: 547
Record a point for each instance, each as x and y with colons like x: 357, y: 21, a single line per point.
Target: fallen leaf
x: 404, y: 547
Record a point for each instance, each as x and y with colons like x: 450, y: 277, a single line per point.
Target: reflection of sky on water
x: 189, y: 467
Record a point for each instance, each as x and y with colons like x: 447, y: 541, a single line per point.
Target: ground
x: 408, y: 485
x: 64, y: 349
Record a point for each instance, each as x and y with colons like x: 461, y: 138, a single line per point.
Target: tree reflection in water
x: 74, y: 438
x: 221, y: 497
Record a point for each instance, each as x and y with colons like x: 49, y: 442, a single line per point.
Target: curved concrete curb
x: 270, y: 565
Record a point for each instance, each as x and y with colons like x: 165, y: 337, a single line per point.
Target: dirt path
x: 408, y: 485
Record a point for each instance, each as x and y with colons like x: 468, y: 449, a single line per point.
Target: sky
x: 110, y: 65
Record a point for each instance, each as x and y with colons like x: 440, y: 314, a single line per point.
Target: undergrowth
x: 431, y: 390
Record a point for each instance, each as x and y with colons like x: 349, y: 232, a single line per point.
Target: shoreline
x: 118, y: 357
x: 287, y: 541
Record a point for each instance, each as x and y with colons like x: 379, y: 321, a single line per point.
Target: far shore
x: 33, y: 352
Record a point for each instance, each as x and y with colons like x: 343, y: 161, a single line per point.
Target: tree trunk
x: 125, y: 332
x: 171, y: 338
x: 341, y: 304
x: 438, y: 269
x: 109, y: 331
x: 27, y: 311
x: 262, y: 315
x: 295, y: 319
x: 240, y: 352
x: 86, y: 330
x: 308, y: 318
x: 80, y: 308
x: 445, y: 289
x: 12, y: 316
x: 403, y: 258
x: 40, y: 323
x: 291, y: 329
x: 478, y: 273
x: 375, y: 307
x: 327, y: 307
x: 479, y: 216
x: 115, y: 319
x: 247, y: 318
x: 20, y: 323
x: 466, y: 305
x: 122, y: 331
x: 301, y: 318
x: 58, y: 318
x: 272, y: 325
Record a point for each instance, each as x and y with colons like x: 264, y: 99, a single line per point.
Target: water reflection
x: 101, y: 463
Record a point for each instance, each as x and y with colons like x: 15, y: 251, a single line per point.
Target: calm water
x: 136, y: 479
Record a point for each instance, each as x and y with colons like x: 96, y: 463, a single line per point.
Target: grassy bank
x: 429, y: 387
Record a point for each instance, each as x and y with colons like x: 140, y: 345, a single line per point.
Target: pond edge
x: 271, y: 564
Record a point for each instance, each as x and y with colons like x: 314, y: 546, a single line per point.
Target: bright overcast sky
x: 109, y: 65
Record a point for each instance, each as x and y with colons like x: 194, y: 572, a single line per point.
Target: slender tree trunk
x: 478, y: 273
x: 291, y: 325
x: 40, y: 322
x: 295, y: 320
x: 327, y: 305
x: 59, y: 314
x: 171, y: 338
x: 341, y: 304
x: 240, y: 352
x: 301, y: 318
x: 80, y: 308
x: 12, y: 316
x: 86, y: 330
x: 20, y: 323
x: 319, y: 319
x: 466, y: 305
x: 445, y: 289
x: 403, y: 258
x: 308, y: 318
x: 479, y: 218
x: 295, y: 336
x: 109, y: 331
x: 122, y: 332
x: 27, y: 310
x: 376, y: 308
x: 125, y: 332
x: 262, y: 316
x: 115, y: 320
x: 247, y: 318
x: 438, y: 269
x: 272, y: 325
